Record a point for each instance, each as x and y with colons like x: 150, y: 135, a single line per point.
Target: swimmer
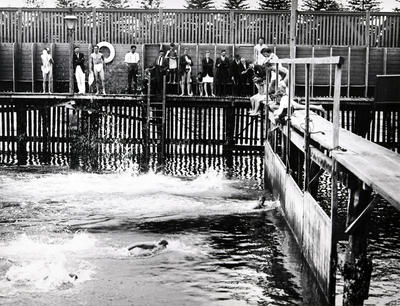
x: 261, y: 202
x: 149, y: 246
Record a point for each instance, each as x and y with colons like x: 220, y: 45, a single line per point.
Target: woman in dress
x: 208, y: 73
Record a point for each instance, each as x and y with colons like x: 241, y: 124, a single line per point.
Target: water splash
x: 41, y: 263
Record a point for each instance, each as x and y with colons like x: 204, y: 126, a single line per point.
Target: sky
x: 387, y: 5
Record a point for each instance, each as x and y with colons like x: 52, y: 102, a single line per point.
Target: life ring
x: 110, y: 47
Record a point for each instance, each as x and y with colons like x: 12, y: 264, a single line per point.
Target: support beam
x: 358, y: 266
x: 292, y: 43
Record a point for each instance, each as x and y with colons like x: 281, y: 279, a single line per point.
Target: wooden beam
x: 366, y: 72
x: 307, y: 161
x: 33, y: 54
x: 363, y: 214
x: 15, y: 66
x: 292, y: 42
x: 307, y: 60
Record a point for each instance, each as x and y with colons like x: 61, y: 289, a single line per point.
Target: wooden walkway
x: 375, y: 165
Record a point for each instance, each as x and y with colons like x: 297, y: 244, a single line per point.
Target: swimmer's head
x: 163, y: 242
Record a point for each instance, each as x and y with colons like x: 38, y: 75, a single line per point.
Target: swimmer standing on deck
x: 97, y: 66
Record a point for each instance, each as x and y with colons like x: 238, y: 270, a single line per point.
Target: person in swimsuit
x: 150, y: 246
x: 97, y: 66
x: 47, y: 69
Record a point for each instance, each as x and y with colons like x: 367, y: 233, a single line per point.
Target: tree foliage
x: 236, y: 4
x: 275, y: 4
x: 397, y: 9
x: 199, y: 4
x: 150, y: 4
x: 364, y: 5
x: 114, y: 3
x: 74, y: 3
x: 34, y: 3
x: 321, y: 5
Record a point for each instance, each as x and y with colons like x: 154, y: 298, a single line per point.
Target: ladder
x: 155, y: 123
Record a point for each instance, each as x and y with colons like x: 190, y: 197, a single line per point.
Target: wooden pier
x: 297, y: 154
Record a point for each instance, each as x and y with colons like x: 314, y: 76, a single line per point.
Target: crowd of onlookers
x: 219, y: 77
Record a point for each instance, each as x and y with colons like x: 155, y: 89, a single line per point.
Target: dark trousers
x: 132, y: 75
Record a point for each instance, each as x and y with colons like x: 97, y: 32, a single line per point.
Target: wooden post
x: 163, y: 123
x: 144, y: 165
x: 15, y: 66
x: 288, y: 142
x: 44, y: 114
x: 71, y: 64
x: 334, y: 190
x: 21, y: 133
x: 160, y: 22
x: 292, y: 43
x: 232, y: 27
x: 307, y: 157
x: 52, y: 78
x: 33, y: 54
x: 229, y: 116
x: 94, y: 28
x: 19, y: 27
x: 358, y: 266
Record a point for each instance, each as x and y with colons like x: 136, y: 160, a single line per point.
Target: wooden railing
x: 126, y: 26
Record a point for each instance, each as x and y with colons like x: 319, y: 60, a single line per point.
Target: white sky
x: 387, y: 5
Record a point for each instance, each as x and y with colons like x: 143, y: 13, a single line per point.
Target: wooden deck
x: 375, y: 165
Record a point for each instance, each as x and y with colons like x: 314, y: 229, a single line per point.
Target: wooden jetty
x: 296, y: 154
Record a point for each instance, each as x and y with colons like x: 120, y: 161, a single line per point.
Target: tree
x: 275, y: 4
x: 150, y: 4
x: 236, y: 4
x: 66, y: 3
x: 321, y: 5
x: 199, y: 4
x: 397, y: 9
x: 84, y: 3
x: 34, y: 3
x: 114, y: 3
x: 364, y: 5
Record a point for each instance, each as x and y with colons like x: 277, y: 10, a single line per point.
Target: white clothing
x: 173, y: 63
x: 132, y: 58
x: 258, y: 57
x: 46, y: 63
x: 97, y: 68
x: 80, y: 79
x: 208, y: 79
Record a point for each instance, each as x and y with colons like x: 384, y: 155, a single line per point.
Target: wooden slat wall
x: 205, y: 26
x: 364, y: 63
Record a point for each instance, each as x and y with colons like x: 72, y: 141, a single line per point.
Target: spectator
x: 172, y: 57
x: 222, y: 74
x: 235, y: 75
x: 245, y: 79
x: 160, y: 67
x: 185, y: 66
x: 79, y: 68
x: 47, y: 69
x: 208, y: 74
x: 258, y: 58
x: 96, y: 65
x: 132, y: 60
x: 199, y: 83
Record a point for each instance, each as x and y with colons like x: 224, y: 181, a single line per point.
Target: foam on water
x: 40, y: 250
x: 41, y: 263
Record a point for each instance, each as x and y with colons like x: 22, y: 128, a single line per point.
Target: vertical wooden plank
x: 366, y: 71
x: 15, y: 66
x: 33, y: 54
x: 348, y: 70
x: 385, y: 56
x: 307, y: 159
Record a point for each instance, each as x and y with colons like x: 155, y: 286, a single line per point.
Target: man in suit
x: 245, y: 78
x: 160, y: 68
x: 207, y: 65
x: 235, y: 75
x: 79, y: 69
x: 222, y: 73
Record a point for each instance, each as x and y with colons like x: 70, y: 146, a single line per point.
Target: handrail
x: 330, y: 60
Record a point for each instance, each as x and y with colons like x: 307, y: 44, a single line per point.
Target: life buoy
x: 110, y: 47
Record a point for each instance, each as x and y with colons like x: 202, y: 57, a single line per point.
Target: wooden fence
x: 127, y: 26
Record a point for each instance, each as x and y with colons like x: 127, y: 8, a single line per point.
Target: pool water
x: 221, y: 251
